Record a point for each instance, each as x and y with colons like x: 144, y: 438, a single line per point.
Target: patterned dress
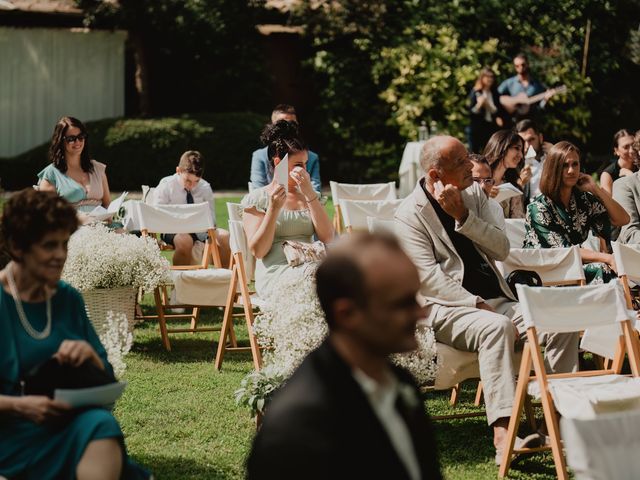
x: 550, y: 225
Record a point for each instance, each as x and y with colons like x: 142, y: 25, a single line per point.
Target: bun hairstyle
x: 281, y: 138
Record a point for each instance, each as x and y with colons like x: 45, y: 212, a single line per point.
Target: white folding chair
x: 582, y: 394
x: 351, y: 191
x: 355, y: 212
x: 515, y: 230
x: 235, y: 211
x: 239, y: 296
x: 556, y: 266
x: 627, y: 259
x: 604, y: 447
x: 147, y: 194
x: 377, y: 225
x: 196, y: 286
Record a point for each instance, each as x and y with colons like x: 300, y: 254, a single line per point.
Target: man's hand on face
x: 450, y: 199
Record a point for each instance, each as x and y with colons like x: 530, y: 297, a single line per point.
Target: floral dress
x: 550, y: 225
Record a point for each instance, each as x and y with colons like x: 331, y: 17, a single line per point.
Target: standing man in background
x: 262, y: 174
x: 519, y: 87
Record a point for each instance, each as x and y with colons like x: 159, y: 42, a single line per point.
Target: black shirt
x: 479, y: 277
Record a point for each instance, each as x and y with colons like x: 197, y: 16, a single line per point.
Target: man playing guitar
x: 516, y: 91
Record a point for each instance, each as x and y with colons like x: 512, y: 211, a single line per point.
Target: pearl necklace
x: 23, y: 317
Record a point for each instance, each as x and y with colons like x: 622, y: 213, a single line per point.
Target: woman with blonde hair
x: 486, y: 114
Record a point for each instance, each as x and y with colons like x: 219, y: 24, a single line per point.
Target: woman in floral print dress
x: 572, y: 204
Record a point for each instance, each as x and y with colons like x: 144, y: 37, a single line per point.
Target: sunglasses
x: 485, y: 181
x: 73, y: 138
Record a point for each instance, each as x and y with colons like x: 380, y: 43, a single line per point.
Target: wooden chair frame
x: 242, y: 298
x: 532, y: 356
x: 239, y: 296
x: 161, y: 295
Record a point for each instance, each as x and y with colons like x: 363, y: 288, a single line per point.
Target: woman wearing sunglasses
x: 72, y: 174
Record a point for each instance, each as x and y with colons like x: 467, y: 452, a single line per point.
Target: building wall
x: 47, y: 73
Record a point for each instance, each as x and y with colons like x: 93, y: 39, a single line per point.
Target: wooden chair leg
x: 478, y: 399
x: 551, y: 420
x: 455, y: 392
x: 516, y: 412
x: 253, y: 340
x: 227, y: 318
x: 195, y: 313
x: 161, y: 319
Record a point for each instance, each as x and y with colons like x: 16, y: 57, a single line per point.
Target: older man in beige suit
x: 448, y: 229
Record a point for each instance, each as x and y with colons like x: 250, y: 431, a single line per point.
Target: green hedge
x: 142, y: 151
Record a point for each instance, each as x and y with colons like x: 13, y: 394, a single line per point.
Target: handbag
x: 525, y: 277
x: 50, y: 375
x: 298, y: 253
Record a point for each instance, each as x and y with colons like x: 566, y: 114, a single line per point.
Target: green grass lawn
x: 180, y: 419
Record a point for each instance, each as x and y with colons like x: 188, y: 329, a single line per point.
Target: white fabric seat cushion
x: 603, y: 448
x: 586, y: 397
x: 206, y: 287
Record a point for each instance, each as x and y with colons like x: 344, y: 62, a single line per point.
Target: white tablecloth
x: 409, y: 170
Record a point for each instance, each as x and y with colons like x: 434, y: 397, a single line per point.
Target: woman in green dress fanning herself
x: 572, y: 204
x: 41, y: 318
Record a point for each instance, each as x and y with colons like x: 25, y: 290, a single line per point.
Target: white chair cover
x: 570, y: 309
x: 238, y: 243
x: 189, y: 218
x: 377, y: 225
x: 592, y: 242
x: 409, y: 171
x: 206, y: 287
x: 235, y: 211
x: 603, y: 448
x: 355, y: 212
x: 147, y: 194
x: 366, y: 191
x: 454, y: 366
x: 627, y: 260
x: 554, y: 265
x: 515, y: 230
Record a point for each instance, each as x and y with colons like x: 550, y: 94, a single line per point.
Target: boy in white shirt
x: 188, y: 186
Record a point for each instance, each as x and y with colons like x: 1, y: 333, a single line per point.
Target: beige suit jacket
x: 427, y: 243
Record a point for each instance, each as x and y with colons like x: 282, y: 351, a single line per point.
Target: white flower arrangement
x: 117, y: 340
x: 292, y: 324
x: 101, y: 258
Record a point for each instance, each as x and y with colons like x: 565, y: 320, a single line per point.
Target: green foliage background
x: 382, y: 67
x: 142, y: 151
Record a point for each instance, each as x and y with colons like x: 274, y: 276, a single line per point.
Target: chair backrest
x: 378, y: 225
x: 355, y: 212
x: 556, y: 266
x: 188, y: 218
x: 250, y: 187
x: 235, y: 211
x: 627, y: 259
x: 367, y: 191
x: 571, y: 309
x: 515, y: 230
x: 147, y: 194
x: 238, y: 244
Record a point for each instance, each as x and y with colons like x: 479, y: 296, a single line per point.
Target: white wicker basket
x: 100, y: 301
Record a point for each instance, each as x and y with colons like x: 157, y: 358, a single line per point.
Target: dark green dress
x: 549, y: 225
x: 48, y: 451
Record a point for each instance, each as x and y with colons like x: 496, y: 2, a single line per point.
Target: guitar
x: 521, y: 103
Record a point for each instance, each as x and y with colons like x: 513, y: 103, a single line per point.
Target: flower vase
x: 99, y: 301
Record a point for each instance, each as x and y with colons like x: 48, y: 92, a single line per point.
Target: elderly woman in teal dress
x: 272, y: 215
x: 72, y: 174
x: 570, y: 206
x: 42, y: 317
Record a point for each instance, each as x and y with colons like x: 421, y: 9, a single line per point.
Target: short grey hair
x: 430, y: 155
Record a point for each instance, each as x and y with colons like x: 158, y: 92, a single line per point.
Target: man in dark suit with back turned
x: 347, y: 412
